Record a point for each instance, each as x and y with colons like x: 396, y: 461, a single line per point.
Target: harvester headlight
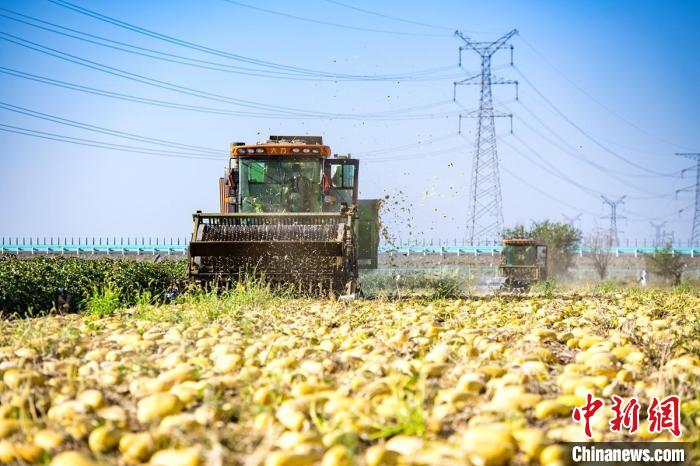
x: 251, y: 151
x: 315, y: 151
x: 240, y: 151
x: 306, y: 151
x: 296, y: 150
x: 260, y: 150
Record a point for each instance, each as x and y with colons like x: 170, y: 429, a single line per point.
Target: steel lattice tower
x: 695, y: 232
x: 571, y: 221
x: 614, y: 237
x: 660, y: 235
x: 485, y: 215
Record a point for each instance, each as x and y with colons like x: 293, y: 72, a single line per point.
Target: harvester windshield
x: 523, y: 262
x: 520, y: 254
x: 281, y: 185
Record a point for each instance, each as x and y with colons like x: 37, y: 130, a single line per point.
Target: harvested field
x: 248, y: 378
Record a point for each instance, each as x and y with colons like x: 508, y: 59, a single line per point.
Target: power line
x: 591, y: 97
x: 139, y: 78
x: 393, y: 18
x: 417, y: 155
x: 328, y: 23
x: 103, y: 145
x: 585, y: 133
x: 641, y: 217
x: 675, y: 213
x: 548, y: 167
x: 131, y: 136
x: 230, y: 68
x: 195, y: 46
x: 110, y: 132
x: 387, y: 150
x: 559, y: 200
x: 571, y: 150
x: 544, y: 193
x: 195, y: 92
x: 128, y: 97
x: 551, y: 169
x: 421, y: 75
x: 577, y: 155
x: 180, y: 42
x: 197, y: 108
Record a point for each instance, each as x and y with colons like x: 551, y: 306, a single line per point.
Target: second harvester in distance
x: 289, y: 213
x: 523, y: 263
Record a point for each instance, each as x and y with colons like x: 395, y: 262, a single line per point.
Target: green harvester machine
x: 289, y: 213
x: 523, y: 263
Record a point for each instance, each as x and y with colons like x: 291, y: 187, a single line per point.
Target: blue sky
x: 624, y: 72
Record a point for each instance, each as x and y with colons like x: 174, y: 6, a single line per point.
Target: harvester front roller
x: 313, y: 253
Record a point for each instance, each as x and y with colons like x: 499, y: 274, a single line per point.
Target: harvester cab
x: 523, y: 262
x: 289, y: 212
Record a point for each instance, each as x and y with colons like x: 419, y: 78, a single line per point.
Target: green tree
x: 517, y: 232
x: 666, y: 264
x: 561, y: 240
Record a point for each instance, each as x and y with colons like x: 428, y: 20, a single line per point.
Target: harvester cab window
x: 520, y: 255
x: 343, y: 178
x: 256, y: 172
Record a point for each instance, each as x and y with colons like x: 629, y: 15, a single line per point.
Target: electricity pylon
x: 613, y: 236
x: 485, y: 216
x: 670, y: 236
x: 660, y: 235
x: 571, y: 221
x: 695, y: 232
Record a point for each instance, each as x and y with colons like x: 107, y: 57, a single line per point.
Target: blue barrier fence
x: 115, y: 249
x: 139, y: 246
x: 494, y: 250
